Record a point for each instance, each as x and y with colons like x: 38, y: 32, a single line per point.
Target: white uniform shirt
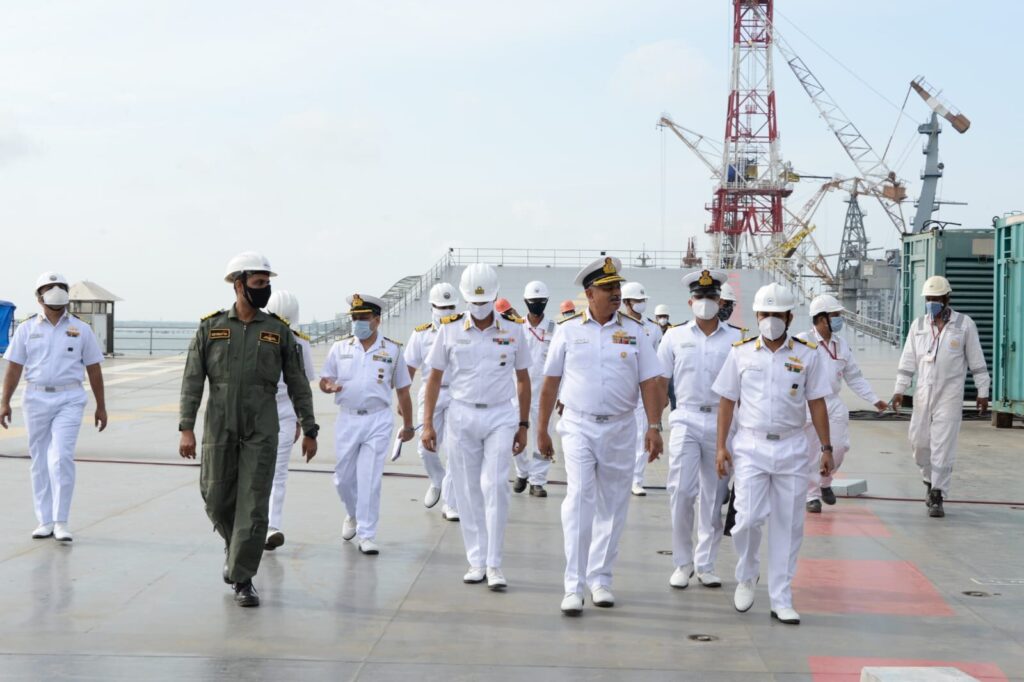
x: 838, y: 362
x: 284, y: 403
x: 942, y: 358
x: 54, y: 355
x: 478, y: 365
x: 538, y: 340
x: 367, y: 378
x: 694, y: 359
x: 772, y: 388
x: 601, y: 366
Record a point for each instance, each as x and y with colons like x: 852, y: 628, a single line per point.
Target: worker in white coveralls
x: 52, y: 349
x: 634, y: 304
x: 837, y: 358
x: 531, y: 466
x: 774, y: 378
x: 693, y: 353
x: 942, y: 346
x: 285, y: 305
x: 484, y: 360
x: 362, y: 371
x: 599, y: 364
x: 443, y: 298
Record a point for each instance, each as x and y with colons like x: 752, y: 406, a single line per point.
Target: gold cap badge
x: 609, y: 267
x: 479, y: 291
x: 705, y: 279
x: 356, y: 301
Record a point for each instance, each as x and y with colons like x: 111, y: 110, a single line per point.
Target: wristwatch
x: 524, y: 425
x: 826, y: 448
x: 312, y: 433
x: 656, y: 427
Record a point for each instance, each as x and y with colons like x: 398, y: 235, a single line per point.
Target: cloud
x: 319, y: 134
x: 660, y: 72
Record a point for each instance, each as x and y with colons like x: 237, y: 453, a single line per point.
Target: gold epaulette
x: 280, y: 319
x: 810, y: 344
x: 516, y: 319
x: 397, y: 343
x: 746, y: 340
x: 571, y: 317
x: 215, y: 313
x: 301, y: 335
x: 452, y: 318
x: 628, y: 316
x: 424, y: 327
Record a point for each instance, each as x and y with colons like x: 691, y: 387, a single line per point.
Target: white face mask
x: 705, y: 308
x: 771, y: 328
x: 639, y: 307
x: 55, y: 296
x: 480, y: 312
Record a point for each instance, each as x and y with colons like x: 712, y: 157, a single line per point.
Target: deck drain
x: 977, y: 593
x: 702, y: 638
x: 665, y: 552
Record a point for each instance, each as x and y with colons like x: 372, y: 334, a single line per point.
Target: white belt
x: 52, y: 389
x: 778, y: 435
x: 699, y: 408
x: 599, y: 418
x: 362, y: 410
x: 483, y: 406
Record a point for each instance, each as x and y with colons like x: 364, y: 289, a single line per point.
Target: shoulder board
x: 424, y: 327
x: 280, y: 319
x: 516, y: 319
x: 809, y: 344
x: 215, y: 313
x: 746, y: 340
x: 571, y: 317
x: 653, y: 321
x: 76, y: 317
x: 33, y: 315
x: 681, y: 324
x: 397, y: 343
x: 452, y: 318
x: 742, y: 329
x: 302, y: 336
x: 346, y: 337
x: 630, y: 317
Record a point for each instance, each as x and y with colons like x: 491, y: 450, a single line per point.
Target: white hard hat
x: 284, y: 305
x: 936, y: 285
x: 535, y: 289
x: 727, y: 294
x: 825, y: 304
x: 443, y: 295
x: 247, y: 261
x: 479, y: 283
x: 633, y: 291
x: 661, y: 309
x: 774, y: 298
x: 50, y: 278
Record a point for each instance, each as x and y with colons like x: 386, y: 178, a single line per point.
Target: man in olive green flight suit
x: 243, y: 352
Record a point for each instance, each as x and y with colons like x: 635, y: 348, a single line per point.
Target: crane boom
x: 707, y: 150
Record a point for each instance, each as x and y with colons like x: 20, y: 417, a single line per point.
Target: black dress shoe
x: 927, y: 494
x: 538, y: 491
x: 224, y: 574
x: 935, y: 509
x: 519, y: 486
x: 246, y: 594
x: 814, y: 506
x: 828, y: 496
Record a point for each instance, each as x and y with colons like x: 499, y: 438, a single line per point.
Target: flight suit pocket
x: 268, y: 362
x: 218, y: 359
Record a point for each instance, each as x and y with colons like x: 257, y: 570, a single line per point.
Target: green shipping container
x: 966, y: 259
x: 1008, y: 354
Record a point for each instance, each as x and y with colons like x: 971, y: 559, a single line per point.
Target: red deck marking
x: 845, y: 521
x: 866, y: 586
x: 847, y: 669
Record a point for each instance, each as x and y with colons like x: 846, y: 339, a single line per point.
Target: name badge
x: 581, y: 340
x: 462, y: 341
x: 35, y: 336
x: 220, y: 334
x: 687, y: 344
x: 345, y: 357
x: 270, y: 337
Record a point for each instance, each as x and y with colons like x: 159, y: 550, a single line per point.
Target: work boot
x: 814, y: 506
x: 828, y: 496
x: 246, y: 594
x: 935, y: 504
x: 520, y: 485
x: 538, y: 491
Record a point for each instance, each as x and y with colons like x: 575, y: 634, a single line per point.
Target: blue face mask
x: 361, y: 328
x: 934, y: 308
x: 835, y: 323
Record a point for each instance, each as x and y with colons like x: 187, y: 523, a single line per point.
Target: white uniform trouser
x: 839, y: 432
x: 479, y: 443
x: 934, y: 428
x: 598, y: 467
x: 770, y: 480
x: 361, y: 443
x: 285, y: 443
x: 439, y: 476
x: 529, y: 464
x: 640, y: 465
x: 693, y: 477
x: 52, y: 421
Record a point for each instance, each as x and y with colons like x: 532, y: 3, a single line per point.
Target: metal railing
x: 885, y: 331
x: 572, y: 258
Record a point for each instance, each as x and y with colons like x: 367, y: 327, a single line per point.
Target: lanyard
x: 534, y: 332
x: 828, y: 350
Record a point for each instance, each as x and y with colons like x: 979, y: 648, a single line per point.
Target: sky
x: 142, y: 144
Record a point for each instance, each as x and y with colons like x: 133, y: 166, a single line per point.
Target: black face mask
x: 536, y: 306
x: 257, y: 298
x: 724, y: 310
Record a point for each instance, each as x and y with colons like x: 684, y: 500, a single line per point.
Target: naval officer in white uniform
x: 634, y: 304
x: 598, y: 366
x: 52, y: 349
x: 532, y: 467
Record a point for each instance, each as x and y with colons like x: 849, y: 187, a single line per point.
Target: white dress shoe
x: 602, y: 596
x: 709, y: 579
x: 61, y: 532
x: 450, y: 514
x: 432, y: 496
x: 348, y: 529
x: 638, y: 490
x: 572, y: 604
x: 275, y: 539
x: 474, y: 575
x: 681, y: 577
x: 368, y: 547
x: 744, y: 597
x: 43, y: 530
x: 787, y: 616
x: 496, y: 579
